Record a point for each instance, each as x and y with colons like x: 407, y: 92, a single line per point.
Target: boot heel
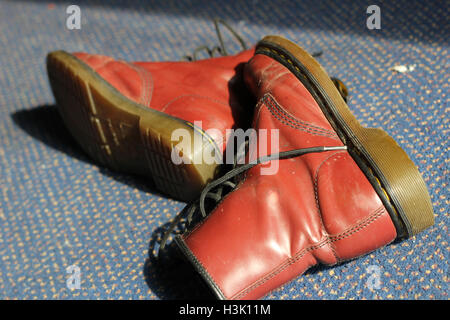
x: 399, y: 178
x: 181, y: 175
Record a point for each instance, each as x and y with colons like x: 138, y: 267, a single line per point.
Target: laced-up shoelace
x: 225, y: 181
x: 222, y: 50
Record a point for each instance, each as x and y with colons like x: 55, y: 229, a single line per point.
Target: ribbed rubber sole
x: 121, y: 134
x: 392, y: 173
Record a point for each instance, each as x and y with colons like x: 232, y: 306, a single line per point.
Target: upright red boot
x: 341, y: 190
x: 123, y: 114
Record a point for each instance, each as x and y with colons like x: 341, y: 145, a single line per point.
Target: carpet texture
x: 59, y: 209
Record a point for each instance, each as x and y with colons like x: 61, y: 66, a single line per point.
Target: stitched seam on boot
x: 147, y: 83
x: 263, y: 71
x: 316, y: 196
x: 140, y: 76
x: 103, y: 63
x: 288, y: 116
x: 147, y: 87
x: 274, y: 105
x: 333, y: 238
x: 278, y: 112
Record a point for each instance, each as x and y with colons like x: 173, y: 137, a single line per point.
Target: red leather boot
x: 123, y: 114
x: 341, y: 190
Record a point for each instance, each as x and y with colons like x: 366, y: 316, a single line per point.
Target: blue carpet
x: 59, y: 209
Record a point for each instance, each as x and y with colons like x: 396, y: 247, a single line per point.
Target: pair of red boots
x: 340, y: 190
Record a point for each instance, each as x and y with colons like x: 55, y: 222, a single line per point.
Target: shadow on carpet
x: 44, y: 123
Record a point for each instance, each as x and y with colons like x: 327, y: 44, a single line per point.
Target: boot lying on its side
x: 341, y: 190
x: 123, y: 114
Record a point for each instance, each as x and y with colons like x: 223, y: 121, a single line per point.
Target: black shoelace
x: 216, y: 189
x: 220, y: 49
